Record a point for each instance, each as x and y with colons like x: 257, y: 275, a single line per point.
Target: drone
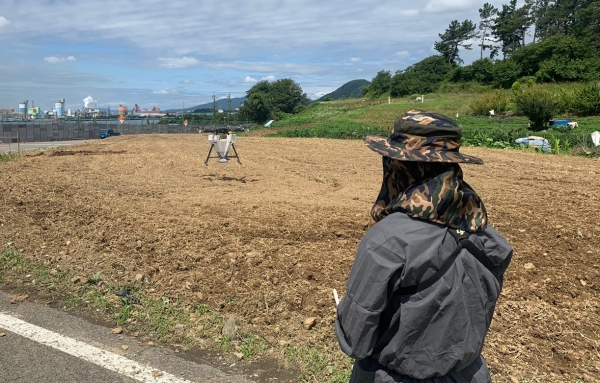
x: 222, y: 141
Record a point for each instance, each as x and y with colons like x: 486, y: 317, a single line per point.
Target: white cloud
x: 446, y: 6
x: 182, y: 62
x: 250, y: 80
x: 360, y: 70
x: 3, y: 22
x: 165, y: 91
x: 271, y: 67
x: 55, y: 60
x: 318, y: 95
x: 408, y: 12
x: 402, y: 55
x: 269, y: 78
x: 355, y: 59
x: 186, y: 81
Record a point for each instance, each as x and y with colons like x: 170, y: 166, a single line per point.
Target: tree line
x: 273, y: 100
x: 540, y: 41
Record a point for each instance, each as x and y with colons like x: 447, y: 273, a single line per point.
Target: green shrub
x: 530, y: 82
x: 566, y: 69
x: 481, y: 71
x: 496, y: 101
x: 505, y: 73
x: 492, y: 137
x: 566, y: 100
x: 586, y: 101
x: 539, y: 105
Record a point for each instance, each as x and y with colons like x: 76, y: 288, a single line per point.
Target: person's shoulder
x: 494, y: 243
x: 491, y: 234
x: 400, y: 225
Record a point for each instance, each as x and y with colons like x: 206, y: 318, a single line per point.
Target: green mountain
x: 207, y: 108
x: 352, y: 89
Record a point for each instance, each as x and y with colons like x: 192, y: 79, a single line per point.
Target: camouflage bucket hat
x: 423, y: 137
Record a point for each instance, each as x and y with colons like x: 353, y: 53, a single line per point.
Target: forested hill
x: 352, y: 89
x: 207, y: 108
x: 535, y: 41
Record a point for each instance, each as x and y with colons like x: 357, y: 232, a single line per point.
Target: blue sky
x: 174, y: 53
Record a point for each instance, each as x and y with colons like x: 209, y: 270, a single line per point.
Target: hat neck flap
x: 431, y: 191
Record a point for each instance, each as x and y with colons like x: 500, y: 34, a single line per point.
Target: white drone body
x: 222, y: 145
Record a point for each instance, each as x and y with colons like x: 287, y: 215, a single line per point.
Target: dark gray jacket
x: 437, y: 333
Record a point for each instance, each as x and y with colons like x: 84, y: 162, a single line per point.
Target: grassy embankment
x: 355, y: 118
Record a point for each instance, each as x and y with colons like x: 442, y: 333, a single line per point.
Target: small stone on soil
x: 117, y: 330
x: 230, y: 327
x: 529, y: 266
x: 310, y: 323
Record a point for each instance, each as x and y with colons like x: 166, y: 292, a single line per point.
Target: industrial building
x: 27, y: 113
x: 59, y: 107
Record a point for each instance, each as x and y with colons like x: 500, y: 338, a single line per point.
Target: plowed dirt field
x: 267, y: 240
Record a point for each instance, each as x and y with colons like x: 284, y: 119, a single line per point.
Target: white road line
x: 102, y: 358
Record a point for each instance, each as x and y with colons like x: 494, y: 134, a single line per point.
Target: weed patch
x: 316, y: 364
x: 7, y: 157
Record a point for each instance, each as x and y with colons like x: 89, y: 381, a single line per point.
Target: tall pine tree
x: 486, y: 14
x: 456, y: 36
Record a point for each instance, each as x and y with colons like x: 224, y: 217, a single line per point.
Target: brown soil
x: 268, y: 240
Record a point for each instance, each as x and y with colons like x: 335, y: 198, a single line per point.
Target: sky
x: 174, y: 54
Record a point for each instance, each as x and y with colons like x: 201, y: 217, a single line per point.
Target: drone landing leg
x: 236, y: 155
x: 207, y: 157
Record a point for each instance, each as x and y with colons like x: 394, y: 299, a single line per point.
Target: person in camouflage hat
x: 422, y: 290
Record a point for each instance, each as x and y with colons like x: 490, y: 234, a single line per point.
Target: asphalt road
x: 24, y: 360
x: 31, y: 146
x: 42, y: 344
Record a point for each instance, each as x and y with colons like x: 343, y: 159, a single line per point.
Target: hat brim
x: 385, y: 147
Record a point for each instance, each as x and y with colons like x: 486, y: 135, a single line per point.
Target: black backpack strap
x: 409, y: 290
x: 462, y: 241
x: 463, y: 238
